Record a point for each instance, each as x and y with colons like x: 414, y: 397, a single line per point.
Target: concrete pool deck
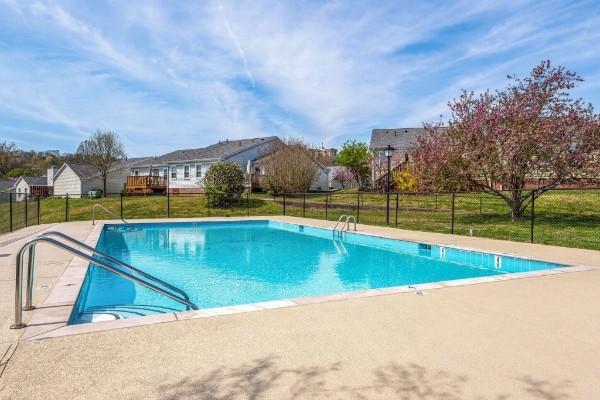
x: 535, y: 338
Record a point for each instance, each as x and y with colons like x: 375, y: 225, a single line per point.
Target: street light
x: 389, y: 150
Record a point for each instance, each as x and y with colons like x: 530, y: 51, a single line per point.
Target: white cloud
x: 167, y: 75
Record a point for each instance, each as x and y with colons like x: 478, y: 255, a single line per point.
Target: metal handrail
x: 339, y: 220
x: 30, y: 268
x: 97, y: 205
x: 19, y: 276
x: 347, y: 223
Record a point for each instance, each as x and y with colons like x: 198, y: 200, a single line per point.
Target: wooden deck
x: 146, y: 184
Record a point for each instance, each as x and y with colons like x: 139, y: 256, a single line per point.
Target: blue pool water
x: 228, y: 263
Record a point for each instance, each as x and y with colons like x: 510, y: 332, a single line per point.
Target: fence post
x: 357, y: 206
x: 26, y: 221
x: 304, y: 204
x: 387, y: 205
x: 453, y: 197
x: 38, y: 210
x: 67, y: 208
x: 248, y: 202
x: 11, y: 210
x: 532, y: 215
x: 326, y: 205
x: 283, y: 203
x: 169, y: 203
x: 479, y: 203
x: 397, y: 196
x: 121, y: 205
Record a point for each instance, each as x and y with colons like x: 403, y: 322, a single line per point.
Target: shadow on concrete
x: 265, y: 378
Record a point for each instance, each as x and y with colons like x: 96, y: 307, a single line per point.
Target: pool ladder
x: 154, y: 284
x: 345, y: 221
x: 97, y: 205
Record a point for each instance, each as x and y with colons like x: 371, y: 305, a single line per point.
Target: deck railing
x: 150, y: 182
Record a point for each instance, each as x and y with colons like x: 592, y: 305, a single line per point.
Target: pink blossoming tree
x: 531, y: 135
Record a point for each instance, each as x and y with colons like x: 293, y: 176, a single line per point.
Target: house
x: 181, y: 171
x: 325, y: 156
x: 77, y: 179
x: 403, y: 142
x: 32, y: 186
x: 340, y: 177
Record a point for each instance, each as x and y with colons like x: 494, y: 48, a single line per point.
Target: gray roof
x: 129, y: 162
x: 218, y: 151
x: 35, y: 180
x: 84, y: 171
x: 88, y: 171
x: 398, y: 138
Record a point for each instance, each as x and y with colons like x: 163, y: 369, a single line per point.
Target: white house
x: 182, y: 170
x: 334, y: 183
x: 77, y: 179
x: 28, y: 186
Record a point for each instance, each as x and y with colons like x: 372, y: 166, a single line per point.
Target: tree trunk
x: 358, y: 179
x: 516, y: 205
x: 104, y: 182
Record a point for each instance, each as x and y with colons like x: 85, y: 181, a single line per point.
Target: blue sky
x: 169, y: 75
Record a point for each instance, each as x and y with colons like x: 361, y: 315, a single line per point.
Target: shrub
x: 289, y: 168
x: 405, y: 181
x: 224, y: 184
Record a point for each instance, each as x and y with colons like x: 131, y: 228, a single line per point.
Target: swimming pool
x: 240, y: 262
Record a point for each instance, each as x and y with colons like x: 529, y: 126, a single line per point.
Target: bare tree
x: 102, y: 149
x: 289, y: 167
x: 7, y: 157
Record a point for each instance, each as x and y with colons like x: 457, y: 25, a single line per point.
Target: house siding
x: 21, y: 190
x: 91, y: 184
x: 67, y: 182
x: 253, y: 153
x: 321, y: 181
x: 115, y: 183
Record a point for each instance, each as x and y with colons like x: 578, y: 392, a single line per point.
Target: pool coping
x: 50, y: 320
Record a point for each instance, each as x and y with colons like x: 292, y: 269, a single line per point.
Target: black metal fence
x: 567, y: 217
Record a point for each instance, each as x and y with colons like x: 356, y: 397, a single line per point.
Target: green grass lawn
x: 564, y: 217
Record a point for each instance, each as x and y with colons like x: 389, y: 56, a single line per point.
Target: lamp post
x: 389, y: 150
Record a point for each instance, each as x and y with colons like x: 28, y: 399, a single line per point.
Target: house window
x: 155, y: 172
x: 198, y: 171
x: 165, y: 173
x: 186, y: 172
x: 173, y: 172
x: 136, y: 172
